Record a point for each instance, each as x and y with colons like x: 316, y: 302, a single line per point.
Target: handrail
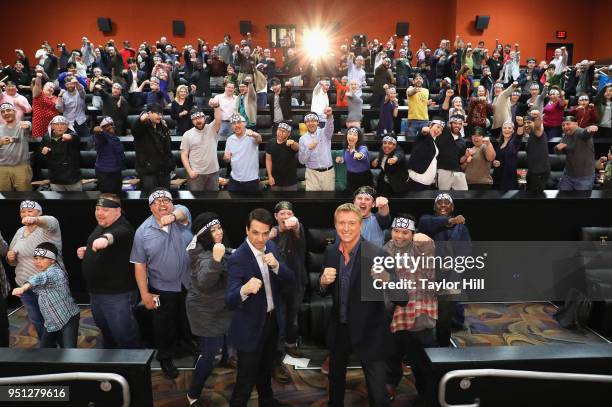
x: 468, y: 374
x: 80, y: 376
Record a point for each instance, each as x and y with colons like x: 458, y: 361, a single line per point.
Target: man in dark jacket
x: 61, y: 148
x: 153, y: 147
x: 280, y: 98
x: 359, y: 322
x: 392, y: 163
x: 451, y: 147
x: 115, y: 106
x: 422, y: 164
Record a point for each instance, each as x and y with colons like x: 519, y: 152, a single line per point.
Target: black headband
x: 107, y: 203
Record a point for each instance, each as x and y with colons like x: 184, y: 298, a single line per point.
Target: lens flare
x: 316, y: 43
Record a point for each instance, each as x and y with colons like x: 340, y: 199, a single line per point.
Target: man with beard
x: 315, y: 152
x: 281, y: 160
x: 242, y: 151
x: 110, y: 276
x: 392, y: 164
x: 199, y: 151
x: 451, y: 148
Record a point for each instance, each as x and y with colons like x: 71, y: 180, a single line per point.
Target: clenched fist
x: 251, y: 286
x: 328, y: 277
x: 100, y: 243
x: 270, y: 260
x: 381, y: 201
x: 81, y: 252
x: 218, y: 251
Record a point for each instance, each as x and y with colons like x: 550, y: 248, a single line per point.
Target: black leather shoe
x: 170, y: 371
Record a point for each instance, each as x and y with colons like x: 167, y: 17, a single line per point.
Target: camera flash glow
x: 316, y: 43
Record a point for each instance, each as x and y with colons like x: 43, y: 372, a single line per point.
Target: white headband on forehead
x: 311, y: 116
x: 438, y: 122
x: 38, y: 252
x: 30, y: 205
x: 403, y: 223
x: 7, y: 106
x: 284, y: 126
x: 159, y: 194
x: 353, y: 130
x: 441, y: 197
x: 389, y: 139
x: 194, y: 241
x: 59, y: 119
x: 197, y: 114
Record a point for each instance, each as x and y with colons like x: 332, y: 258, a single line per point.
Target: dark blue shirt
x: 346, y: 270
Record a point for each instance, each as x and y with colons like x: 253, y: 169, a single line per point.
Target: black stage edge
x: 134, y: 365
x: 499, y: 391
x: 490, y: 215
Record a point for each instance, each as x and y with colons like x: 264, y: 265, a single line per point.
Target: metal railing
x: 468, y: 374
x: 104, y: 378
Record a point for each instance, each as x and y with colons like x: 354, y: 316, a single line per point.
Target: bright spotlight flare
x: 316, y: 43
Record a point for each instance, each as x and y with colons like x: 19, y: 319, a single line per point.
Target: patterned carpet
x: 307, y: 387
x: 517, y: 324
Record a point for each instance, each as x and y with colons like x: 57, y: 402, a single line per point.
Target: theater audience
x: 315, y: 152
x: 59, y: 311
x: 281, y: 160
x: 10, y: 95
x: 199, y: 152
x: 392, y: 164
x: 162, y: 274
x: 43, y: 105
x: 71, y: 104
x: 242, y: 152
x: 538, y: 161
x: 578, y: 146
x: 506, y: 157
x: 15, y: 135
x: 61, y: 149
x: 110, y: 158
x: 477, y: 161
x: 109, y: 275
x: 357, y: 160
x: 209, y: 318
x: 153, y: 147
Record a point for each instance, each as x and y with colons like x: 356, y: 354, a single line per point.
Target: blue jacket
x: 249, y: 315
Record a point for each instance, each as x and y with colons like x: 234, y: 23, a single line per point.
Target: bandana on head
x: 236, y: 118
x: 7, y: 106
x: 403, y: 223
x: 206, y: 227
x: 455, y: 119
x: 283, y: 205
x: 365, y: 191
x: 389, y: 139
x: 353, y: 130
x: 159, y: 194
x: 443, y: 196
x: 107, y: 121
x: 59, y: 119
x: 439, y: 122
x: 48, y: 254
x: 107, y: 203
x: 284, y: 126
x: 195, y: 115
x: 311, y: 116
x: 580, y: 98
x: 30, y: 205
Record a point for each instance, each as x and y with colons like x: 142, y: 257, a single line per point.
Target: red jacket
x: 585, y: 117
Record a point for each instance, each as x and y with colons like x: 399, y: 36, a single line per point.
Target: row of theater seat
x: 88, y: 160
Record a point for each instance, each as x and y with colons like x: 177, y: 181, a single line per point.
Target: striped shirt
x: 54, y: 300
x: 25, y: 245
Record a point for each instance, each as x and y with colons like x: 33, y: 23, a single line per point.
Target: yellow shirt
x: 417, y: 105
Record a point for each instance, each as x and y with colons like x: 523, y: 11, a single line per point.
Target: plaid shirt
x: 54, y: 299
x: 421, y: 303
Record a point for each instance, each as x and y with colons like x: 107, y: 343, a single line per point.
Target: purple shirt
x: 354, y: 165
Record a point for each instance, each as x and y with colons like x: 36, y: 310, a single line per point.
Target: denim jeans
x: 113, y: 314
x: 567, y: 183
x: 211, y: 352
x: 414, y: 126
x: 29, y: 299
x: 225, y: 130
x: 65, y: 337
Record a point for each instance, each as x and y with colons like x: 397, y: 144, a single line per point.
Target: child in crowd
x: 60, y: 312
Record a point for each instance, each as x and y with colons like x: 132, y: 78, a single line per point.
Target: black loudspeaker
x: 401, y: 29
x: 245, y: 27
x: 178, y: 28
x: 482, y: 22
x: 104, y: 24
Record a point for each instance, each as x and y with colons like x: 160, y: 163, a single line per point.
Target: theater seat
x: 598, y: 275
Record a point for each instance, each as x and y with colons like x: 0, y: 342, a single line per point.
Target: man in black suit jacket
x: 392, y: 163
x: 253, y: 292
x: 421, y: 166
x: 359, y: 321
x: 284, y: 101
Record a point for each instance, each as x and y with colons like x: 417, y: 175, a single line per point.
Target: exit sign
x: 561, y: 35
